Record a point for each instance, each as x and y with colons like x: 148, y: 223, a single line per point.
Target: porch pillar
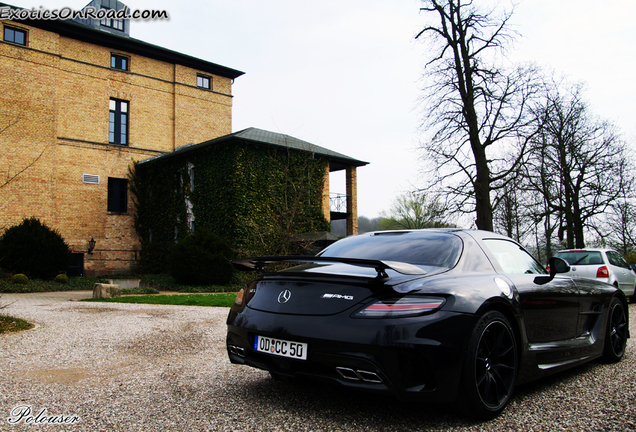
x: 326, y: 204
x: 352, y: 201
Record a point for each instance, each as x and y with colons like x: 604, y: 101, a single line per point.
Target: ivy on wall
x: 255, y: 197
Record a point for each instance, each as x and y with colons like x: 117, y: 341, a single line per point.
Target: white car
x: 601, y: 264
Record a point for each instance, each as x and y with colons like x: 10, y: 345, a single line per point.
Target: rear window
x: 581, y: 257
x: 422, y: 248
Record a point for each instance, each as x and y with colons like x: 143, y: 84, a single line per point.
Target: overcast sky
x: 345, y: 74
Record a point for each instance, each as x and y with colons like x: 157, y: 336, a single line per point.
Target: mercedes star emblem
x: 284, y: 296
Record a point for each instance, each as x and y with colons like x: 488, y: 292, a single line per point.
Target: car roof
x: 587, y: 250
x: 461, y: 232
x: 477, y: 233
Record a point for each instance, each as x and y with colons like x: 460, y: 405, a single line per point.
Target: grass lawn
x: 223, y: 300
x: 158, y: 282
x: 8, y: 324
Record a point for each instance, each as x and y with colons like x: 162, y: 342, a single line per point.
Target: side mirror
x: 556, y: 265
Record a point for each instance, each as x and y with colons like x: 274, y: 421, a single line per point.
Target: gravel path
x: 128, y: 367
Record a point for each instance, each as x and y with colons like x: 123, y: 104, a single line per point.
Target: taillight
x: 400, y: 307
x: 239, y: 297
x: 602, y: 272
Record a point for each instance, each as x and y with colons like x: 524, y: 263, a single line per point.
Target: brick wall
x: 55, y: 106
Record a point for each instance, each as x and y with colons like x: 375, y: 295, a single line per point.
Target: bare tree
x: 621, y: 227
x: 509, y: 215
x: 478, y: 112
x: 415, y: 210
x: 578, y: 165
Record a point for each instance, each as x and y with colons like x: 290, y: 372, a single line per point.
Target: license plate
x: 282, y: 348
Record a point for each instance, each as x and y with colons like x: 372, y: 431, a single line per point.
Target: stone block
x: 101, y: 290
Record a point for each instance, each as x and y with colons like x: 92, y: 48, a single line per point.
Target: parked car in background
x: 601, y: 264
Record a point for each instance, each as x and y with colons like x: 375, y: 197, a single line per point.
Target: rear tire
x: 616, y: 332
x: 490, y: 369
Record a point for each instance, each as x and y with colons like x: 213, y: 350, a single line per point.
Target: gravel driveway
x: 125, y: 367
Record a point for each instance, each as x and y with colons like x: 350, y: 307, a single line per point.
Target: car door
x: 550, y: 310
x: 623, y: 273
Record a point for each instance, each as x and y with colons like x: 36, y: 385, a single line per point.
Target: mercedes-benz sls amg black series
x: 448, y: 315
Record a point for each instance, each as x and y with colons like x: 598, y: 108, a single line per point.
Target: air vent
x: 90, y: 178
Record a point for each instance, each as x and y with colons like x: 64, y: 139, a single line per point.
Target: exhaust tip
x: 370, y: 377
x: 359, y: 375
x: 236, y: 350
x: 348, y: 373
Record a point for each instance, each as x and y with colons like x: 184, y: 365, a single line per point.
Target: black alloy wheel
x: 491, y: 368
x: 616, y: 334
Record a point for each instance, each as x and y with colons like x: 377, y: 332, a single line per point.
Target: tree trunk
x: 483, y: 206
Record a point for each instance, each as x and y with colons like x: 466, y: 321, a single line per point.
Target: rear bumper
x: 411, y: 358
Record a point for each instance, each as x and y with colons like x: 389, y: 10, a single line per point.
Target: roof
x: 74, y: 30
x: 260, y: 137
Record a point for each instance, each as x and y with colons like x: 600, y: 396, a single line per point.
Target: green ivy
x: 254, y: 197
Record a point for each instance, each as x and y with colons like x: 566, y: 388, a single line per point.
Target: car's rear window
x: 581, y: 257
x: 437, y: 249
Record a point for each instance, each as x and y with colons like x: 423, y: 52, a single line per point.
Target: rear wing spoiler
x: 380, y: 266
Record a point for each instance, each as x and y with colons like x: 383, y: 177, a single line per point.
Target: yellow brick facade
x: 54, y: 121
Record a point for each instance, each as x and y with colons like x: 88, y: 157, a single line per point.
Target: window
x: 420, y: 248
x: 14, y: 35
x: 512, y: 258
x: 616, y: 259
x: 118, y: 122
x: 118, y: 62
x: 203, y: 82
x: 117, y: 24
x: 581, y: 257
x: 117, y: 195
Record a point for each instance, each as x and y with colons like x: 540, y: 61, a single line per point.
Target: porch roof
x: 260, y: 137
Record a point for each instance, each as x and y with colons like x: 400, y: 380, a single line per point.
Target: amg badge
x: 337, y: 296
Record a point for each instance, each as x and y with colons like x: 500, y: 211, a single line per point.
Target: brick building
x: 82, y: 100
x: 79, y: 102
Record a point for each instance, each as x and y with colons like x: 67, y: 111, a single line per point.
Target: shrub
x: 20, y: 279
x: 152, y: 258
x: 34, y: 249
x: 61, y: 278
x: 202, y: 258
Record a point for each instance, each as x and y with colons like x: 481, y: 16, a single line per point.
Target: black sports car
x: 440, y: 315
